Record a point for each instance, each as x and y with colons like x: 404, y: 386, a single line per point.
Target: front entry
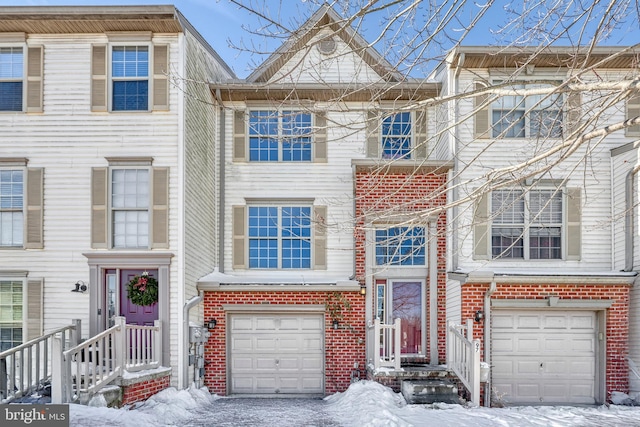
x: 118, y: 303
x: 404, y: 299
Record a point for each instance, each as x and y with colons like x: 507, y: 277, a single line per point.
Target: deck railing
x: 90, y: 366
x: 26, y: 368
x: 463, y: 357
x: 383, y: 344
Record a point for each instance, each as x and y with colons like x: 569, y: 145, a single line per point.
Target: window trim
x: 22, y: 79
x: 528, y: 107
x: 280, y: 135
x: 527, y: 225
x: 111, y: 79
x: 112, y: 210
x: 410, y: 154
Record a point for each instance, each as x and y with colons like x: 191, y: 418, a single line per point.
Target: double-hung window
x: 11, y: 78
x: 12, y: 207
x: 130, y: 78
x: 532, y: 116
x: 396, y: 136
x: 279, y: 237
x: 527, y: 225
x: 280, y: 135
x: 11, y: 316
x: 130, y: 207
x: 400, y: 246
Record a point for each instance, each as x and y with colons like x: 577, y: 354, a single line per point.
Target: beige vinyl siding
x: 327, y: 184
x: 595, y: 181
x: 310, y: 66
x: 67, y: 141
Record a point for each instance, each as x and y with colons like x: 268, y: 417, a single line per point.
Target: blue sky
x: 222, y: 23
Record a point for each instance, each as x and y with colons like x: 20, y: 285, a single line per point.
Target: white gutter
x: 629, y: 220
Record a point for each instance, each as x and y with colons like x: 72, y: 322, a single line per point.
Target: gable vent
x: 327, y: 46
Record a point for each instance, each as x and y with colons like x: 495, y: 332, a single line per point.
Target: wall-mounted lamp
x: 335, y: 324
x: 363, y: 290
x: 80, y: 287
x: 479, y: 316
x: 211, y: 324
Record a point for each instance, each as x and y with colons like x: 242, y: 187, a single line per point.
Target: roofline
x: 52, y: 11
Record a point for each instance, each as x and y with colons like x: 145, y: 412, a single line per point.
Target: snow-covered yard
x: 365, y: 403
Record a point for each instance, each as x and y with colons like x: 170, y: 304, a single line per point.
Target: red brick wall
x: 343, y: 346
x: 404, y: 193
x: 617, y: 317
x: 143, y: 390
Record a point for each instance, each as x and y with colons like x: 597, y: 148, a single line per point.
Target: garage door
x: 277, y: 354
x: 544, y: 356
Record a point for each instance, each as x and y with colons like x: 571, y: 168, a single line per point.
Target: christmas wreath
x: 143, y: 290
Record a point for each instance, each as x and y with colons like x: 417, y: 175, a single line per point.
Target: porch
x: 461, y: 374
x: 124, y: 359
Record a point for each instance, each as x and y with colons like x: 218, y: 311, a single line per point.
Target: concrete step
x: 429, y: 391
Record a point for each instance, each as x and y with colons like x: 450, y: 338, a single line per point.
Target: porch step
x: 429, y: 391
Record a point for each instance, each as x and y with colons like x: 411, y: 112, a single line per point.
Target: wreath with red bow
x: 143, y: 290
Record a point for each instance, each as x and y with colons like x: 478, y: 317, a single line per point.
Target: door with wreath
x: 146, y: 311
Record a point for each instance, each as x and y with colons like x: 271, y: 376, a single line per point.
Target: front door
x: 404, y: 300
x: 136, y: 314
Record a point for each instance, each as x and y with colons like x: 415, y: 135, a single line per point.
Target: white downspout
x: 433, y: 293
x: 629, y: 220
x: 184, y: 379
x: 487, y: 339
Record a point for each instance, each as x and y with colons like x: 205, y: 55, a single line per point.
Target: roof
x: 325, y: 17
x: 550, y: 56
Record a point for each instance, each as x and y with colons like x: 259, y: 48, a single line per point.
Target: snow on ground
x: 365, y: 403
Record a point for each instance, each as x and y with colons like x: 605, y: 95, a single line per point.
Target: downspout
x: 222, y: 173
x: 629, y: 220
x: 487, y: 339
x: 185, y: 333
x: 453, y: 146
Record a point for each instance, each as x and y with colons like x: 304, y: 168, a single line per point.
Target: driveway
x: 281, y: 412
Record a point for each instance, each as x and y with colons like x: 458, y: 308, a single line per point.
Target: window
x: 396, y: 136
x: 10, y: 314
x: 280, y: 135
x: 532, y: 116
x: 11, y: 74
x: 130, y: 207
x: 527, y: 225
x: 11, y: 207
x: 279, y: 237
x: 130, y: 78
x: 400, y: 246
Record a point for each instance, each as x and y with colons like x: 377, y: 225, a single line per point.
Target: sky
x: 224, y: 24
x: 363, y: 404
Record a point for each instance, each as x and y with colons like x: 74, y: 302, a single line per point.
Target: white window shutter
x: 34, y: 81
x: 239, y: 136
x: 633, y: 111
x: 160, y: 77
x: 99, y: 78
x: 99, y: 214
x: 160, y: 208
x: 239, y: 229
x: 481, y: 228
x: 373, y: 135
x: 481, y: 119
x: 34, y: 306
x: 320, y: 138
x: 34, y: 209
x: 320, y: 238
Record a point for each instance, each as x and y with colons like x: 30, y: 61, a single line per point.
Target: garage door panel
x: 551, y: 363
x: 242, y: 323
x: 280, y: 353
x: 499, y: 321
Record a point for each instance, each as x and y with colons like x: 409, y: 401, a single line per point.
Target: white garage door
x: 544, y: 356
x: 277, y: 353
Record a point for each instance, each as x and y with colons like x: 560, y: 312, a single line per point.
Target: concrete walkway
x: 264, y: 412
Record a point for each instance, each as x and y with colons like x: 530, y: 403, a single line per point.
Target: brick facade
x: 343, y: 346
x: 140, y: 391
x: 404, y: 192
x: 617, y: 316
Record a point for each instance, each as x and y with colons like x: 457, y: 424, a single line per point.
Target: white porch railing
x: 463, y: 357
x: 383, y: 344
x: 26, y: 368
x: 98, y: 361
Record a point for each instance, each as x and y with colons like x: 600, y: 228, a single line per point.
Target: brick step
x: 429, y: 391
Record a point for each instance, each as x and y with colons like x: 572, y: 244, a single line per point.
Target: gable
x: 326, y: 58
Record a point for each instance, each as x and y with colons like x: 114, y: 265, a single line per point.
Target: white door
x: 277, y: 353
x: 544, y: 356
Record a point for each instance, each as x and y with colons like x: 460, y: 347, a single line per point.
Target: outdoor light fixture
x: 335, y: 324
x: 363, y: 290
x: 211, y: 323
x: 479, y: 315
x: 80, y: 287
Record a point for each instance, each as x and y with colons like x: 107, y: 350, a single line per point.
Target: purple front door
x: 136, y: 314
